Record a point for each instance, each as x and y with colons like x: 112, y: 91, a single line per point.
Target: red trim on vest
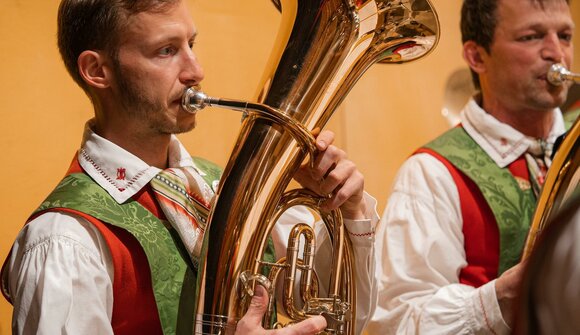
x: 519, y: 168
x: 480, y: 231
x: 75, y: 167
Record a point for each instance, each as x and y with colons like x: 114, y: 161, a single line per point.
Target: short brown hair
x: 96, y: 25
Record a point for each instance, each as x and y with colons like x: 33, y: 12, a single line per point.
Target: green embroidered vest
x: 512, y: 207
x: 172, y: 273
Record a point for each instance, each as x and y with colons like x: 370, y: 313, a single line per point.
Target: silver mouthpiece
x: 558, y: 74
x: 194, y: 100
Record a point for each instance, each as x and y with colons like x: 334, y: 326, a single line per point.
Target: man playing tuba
x: 455, y: 225
x: 102, y: 254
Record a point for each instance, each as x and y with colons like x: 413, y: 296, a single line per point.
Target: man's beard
x: 144, y: 109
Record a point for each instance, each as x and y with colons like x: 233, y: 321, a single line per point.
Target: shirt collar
x: 118, y: 171
x: 500, y: 141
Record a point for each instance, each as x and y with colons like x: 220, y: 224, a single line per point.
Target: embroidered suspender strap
x: 512, y: 207
x: 211, y: 173
x: 178, y: 193
x: 168, y: 269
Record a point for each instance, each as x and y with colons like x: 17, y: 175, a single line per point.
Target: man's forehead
x: 521, y: 5
x: 533, y: 12
x: 169, y: 22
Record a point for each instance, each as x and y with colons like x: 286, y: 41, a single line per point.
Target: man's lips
x: 177, y: 99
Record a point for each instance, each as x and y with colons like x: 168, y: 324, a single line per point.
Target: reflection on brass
x: 322, y: 49
x: 561, y: 181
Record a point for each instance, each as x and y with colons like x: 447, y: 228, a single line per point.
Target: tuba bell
x: 322, y: 49
x: 563, y: 175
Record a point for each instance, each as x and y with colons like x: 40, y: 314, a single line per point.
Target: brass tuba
x: 322, y: 49
x: 563, y: 176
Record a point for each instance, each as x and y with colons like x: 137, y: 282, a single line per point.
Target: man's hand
x: 251, y: 323
x: 333, y: 174
x: 507, y: 288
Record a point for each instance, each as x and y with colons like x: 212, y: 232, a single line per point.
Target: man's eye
x: 565, y: 36
x: 167, y: 51
x: 529, y: 37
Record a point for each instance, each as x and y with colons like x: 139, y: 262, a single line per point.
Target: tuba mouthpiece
x: 194, y: 100
x: 558, y: 74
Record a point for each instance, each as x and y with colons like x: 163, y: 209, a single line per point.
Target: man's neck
x: 530, y: 122
x: 153, y: 149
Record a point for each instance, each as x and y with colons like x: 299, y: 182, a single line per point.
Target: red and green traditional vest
x: 154, y: 280
x: 496, y: 211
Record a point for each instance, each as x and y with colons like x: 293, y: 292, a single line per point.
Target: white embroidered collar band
x: 119, y: 172
x: 500, y: 141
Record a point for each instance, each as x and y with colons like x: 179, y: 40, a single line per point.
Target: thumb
x: 312, y: 325
x: 258, y: 307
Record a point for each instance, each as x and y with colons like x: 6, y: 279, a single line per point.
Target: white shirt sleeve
x: 421, y: 247
x: 361, y: 234
x: 60, y: 277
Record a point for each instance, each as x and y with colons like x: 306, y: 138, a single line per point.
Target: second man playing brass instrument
x: 451, y: 237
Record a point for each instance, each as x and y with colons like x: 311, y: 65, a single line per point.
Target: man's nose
x: 192, y: 72
x: 552, y: 49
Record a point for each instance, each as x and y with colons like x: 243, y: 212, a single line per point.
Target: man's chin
x: 553, y: 98
x: 180, y: 129
x: 177, y: 129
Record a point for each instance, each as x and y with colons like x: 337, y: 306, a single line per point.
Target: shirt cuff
x: 363, y: 231
x: 488, y: 311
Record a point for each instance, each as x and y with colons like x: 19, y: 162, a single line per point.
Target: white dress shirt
x: 60, y: 271
x: 420, y: 242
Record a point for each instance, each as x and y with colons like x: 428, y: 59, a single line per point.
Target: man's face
x: 154, y: 65
x: 528, y: 39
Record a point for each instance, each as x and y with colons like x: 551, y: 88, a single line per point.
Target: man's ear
x: 474, y: 56
x: 93, y: 69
